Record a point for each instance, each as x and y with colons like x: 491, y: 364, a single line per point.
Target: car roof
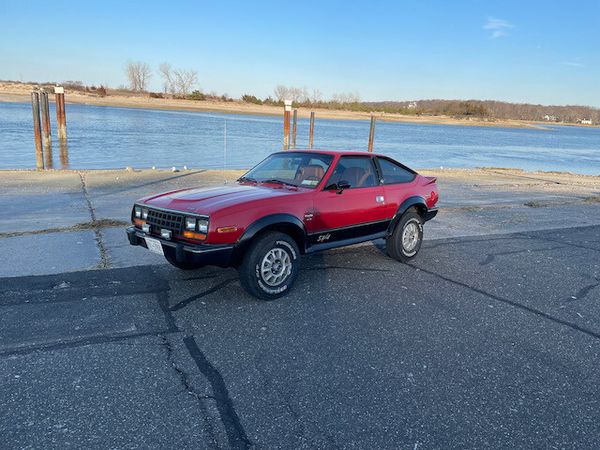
x: 332, y: 152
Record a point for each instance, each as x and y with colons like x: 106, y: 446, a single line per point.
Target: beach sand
x: 20, y: 92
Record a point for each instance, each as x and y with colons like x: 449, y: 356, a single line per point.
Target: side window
x: 392, y: 173
x: 356, y: 170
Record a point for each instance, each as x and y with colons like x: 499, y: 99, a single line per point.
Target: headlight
x: 203, y: 226
x: 138, y: 212
x: 144, y: 213
x: 190, y: 223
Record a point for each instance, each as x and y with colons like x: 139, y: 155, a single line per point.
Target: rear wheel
x: 270, y: 266
x: 405, y: 241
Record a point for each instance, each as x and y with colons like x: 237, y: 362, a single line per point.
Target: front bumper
x: 201, y: 254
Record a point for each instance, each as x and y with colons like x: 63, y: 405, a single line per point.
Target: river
x: 102, y: 137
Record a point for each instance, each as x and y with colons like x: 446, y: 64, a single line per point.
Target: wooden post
x: 37, y: 130
x: 64, y: 154
x: 61, y: 118
x: 372, y: 133
x: 287, y: 108
x: 294, y: 124
x: 46, y: 119
x: 311, y: 130
x: 46, y: 129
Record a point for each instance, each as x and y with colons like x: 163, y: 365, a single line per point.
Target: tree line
x: 491, y: 110
x: 482, y: 109
x: 183, y: 83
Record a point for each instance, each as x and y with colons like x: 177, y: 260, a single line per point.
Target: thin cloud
x: 572, y: 64
x: 497, y: 27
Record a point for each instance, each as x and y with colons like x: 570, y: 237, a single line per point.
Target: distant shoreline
x: 21, y: 93
x: 551, y: 177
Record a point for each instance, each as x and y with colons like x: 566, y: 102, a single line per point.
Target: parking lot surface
x: 489, y: 339
x: 482, y: 342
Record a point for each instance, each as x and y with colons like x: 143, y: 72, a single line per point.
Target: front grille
x: 164, y: 220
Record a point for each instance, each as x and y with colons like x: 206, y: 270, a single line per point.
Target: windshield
x: 292, y: 168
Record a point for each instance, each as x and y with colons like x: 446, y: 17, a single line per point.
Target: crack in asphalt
x: 162, y: 298
x: 236, y: 435
x: 74, y: 343
x: 584, y: 291
x: 104, y: 260
x: 523, y: 235
x: 559, y: 241
x: 183, y: 376
x: 187, y: 301
x: 510, y: 302
x: 84, y: 226
x: 189, y: 389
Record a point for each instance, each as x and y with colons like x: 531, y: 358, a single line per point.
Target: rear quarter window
x: 393, y: 173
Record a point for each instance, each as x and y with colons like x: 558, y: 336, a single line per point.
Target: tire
x: 270, y: 266
x: 410, y: 226
x: 183, y: 265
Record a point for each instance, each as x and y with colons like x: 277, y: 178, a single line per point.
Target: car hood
x: 208, y: 200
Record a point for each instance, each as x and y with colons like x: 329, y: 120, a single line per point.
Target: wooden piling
x: 61, y: 118
x: 64, y: 154
x: 294, y: 125
x: 371, y: 133
x: 37, y: 130
x: 287, y: 108
x: 46, y: 131
x: 311, y: 130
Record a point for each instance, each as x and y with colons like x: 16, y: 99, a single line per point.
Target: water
x: 111, y: 137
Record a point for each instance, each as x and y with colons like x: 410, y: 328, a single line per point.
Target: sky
x: 518, y: 51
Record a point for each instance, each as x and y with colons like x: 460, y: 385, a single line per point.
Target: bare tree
x: 165, y: 72
x: 297, y: 95
x: 138, y: 74
x: 281, y: 92
x: 184, y: 81
x: 317, y: 96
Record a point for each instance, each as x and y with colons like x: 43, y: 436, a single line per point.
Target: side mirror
x: 341, y: 185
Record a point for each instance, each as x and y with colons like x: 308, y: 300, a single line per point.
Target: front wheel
x: 405, y: 241
x: 270, y: 266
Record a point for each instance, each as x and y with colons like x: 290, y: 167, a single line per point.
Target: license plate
x: 154, y: 246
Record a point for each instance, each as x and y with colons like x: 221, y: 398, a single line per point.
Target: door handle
x: 379, y: 199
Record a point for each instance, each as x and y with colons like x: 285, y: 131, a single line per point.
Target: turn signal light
x: 139, y: 222
x: 226, y: 229
x: 192, y: 235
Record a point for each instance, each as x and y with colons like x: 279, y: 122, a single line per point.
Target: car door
x: 357, y: 211
x: 397, y: 181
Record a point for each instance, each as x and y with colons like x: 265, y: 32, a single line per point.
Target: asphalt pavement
x: 487, y: 340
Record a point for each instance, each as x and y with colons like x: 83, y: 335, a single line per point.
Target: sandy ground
x: 11, y: 92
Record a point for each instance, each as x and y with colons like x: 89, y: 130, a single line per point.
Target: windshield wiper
x: 276, y: 181
x: 249, y: 179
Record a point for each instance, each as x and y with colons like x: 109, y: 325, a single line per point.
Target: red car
x: 293, y: 202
